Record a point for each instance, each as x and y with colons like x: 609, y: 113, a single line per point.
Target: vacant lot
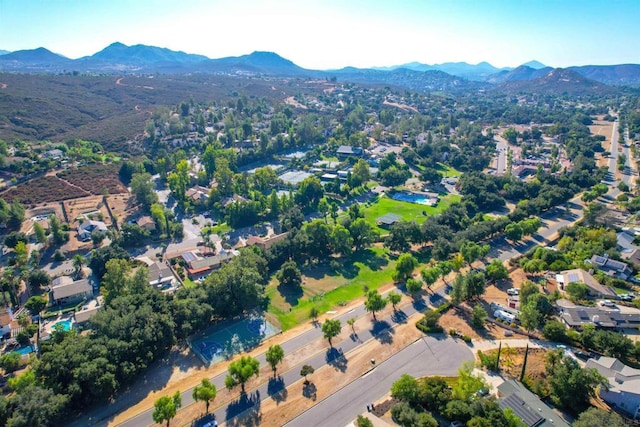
x: 511, y: 360
x: 121, y: 207
x: 91, y: 207
x: 43, y: 190
x: 327, y: 289
x: 96, y: 179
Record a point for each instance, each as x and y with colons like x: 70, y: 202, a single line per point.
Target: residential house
x: 596, y: 290
x: 527, y: 406
x: 624, y: 384
x: 232, y: 199
x: 88, y: 310
x: 628, y: 250
x: 347, y: 151
x: 387, y: 220
x: 147, y: 223
x: 577, y: 317
x: 265, y: 242
x: 87, y: 228
x: 64, y: 290
x: 161, y: 275
x: 199, y: 267
x: 5, y: 323
x: 611, y: 267
x: 198, y: 194
x: 55, y: 154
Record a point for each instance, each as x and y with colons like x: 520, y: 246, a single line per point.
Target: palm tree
x: 78, y: 263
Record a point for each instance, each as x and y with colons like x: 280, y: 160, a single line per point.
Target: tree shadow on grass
x: 244, y: 411
x: 309, y: 390
x: 383, y: 332
x: 371, y: 259
x: 291, y: 294
x: 336, y: 359
x: 277, y: 389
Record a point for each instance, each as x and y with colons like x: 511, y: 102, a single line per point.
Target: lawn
x: 188, y: 283
x: 327, y: 289
x: 448, y: 171
x: 408, y: 211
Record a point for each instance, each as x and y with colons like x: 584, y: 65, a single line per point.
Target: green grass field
x: 448, y: 171
x: 408, y: 211
x: 327, y: 289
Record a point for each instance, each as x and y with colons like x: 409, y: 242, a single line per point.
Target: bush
x: 554, y: 330
x: 487, y: 361
x: 59, y: 256
x: 429, y: 323
x: 453, y: 332
x: 466, y: 338
x: 444, y: 307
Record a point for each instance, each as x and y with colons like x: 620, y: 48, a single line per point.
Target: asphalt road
x: 381, y: 330
x: 427, y: 356
x: 501, y: 160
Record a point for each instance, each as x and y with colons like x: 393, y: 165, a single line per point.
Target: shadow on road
x: 336, y: 359
x: 244, y: 411
x: 383, y: 332
x: 399, y: 317
x: 277, y: 389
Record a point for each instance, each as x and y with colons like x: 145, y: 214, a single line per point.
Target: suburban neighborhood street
x: 427, y: 356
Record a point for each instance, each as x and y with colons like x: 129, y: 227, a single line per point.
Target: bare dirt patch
x: 92, y: 207
x: 291, y: 101
x: 511, y: 360
x: 403, y: 107
x: 122, y: 207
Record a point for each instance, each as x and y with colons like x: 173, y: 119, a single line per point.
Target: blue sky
x: 326, y: 34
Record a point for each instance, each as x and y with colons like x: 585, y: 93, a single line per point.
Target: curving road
x: 426, y: 356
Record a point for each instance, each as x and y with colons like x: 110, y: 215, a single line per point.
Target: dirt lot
x: 91, y: 207
x: 604, y: 128
x: 97, y: 179
x: 511, y: 360
x: 121, y: 207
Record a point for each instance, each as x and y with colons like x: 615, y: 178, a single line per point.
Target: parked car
x: 606, y: 303
x: 513, y: 291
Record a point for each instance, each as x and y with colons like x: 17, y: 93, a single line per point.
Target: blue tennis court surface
x: 218, y: 344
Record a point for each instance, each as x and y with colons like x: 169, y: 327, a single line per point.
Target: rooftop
x: 526, y: 405
x: 388, y: 219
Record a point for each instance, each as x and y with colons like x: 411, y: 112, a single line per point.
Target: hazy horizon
x: 327, y: 34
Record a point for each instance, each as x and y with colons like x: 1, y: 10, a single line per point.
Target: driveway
x: 425, y: 357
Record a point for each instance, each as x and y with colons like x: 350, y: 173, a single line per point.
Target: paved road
x: 380, y: 330
x: 501, y: 160
x: 427, y: 356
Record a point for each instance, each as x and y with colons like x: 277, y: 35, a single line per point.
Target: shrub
x: 429, y: 323
x: 466, y: 338
x: 453, y: 332
x: 514, y: 325
x: 487, y: 361
x: 444, y: 307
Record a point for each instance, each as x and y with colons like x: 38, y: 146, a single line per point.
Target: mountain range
x: 142, y: 59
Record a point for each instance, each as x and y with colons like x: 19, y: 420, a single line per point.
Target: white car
x: 607, y: 303
x: 513, y: 291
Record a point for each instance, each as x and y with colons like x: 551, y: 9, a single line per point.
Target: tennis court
x: 221, y: 343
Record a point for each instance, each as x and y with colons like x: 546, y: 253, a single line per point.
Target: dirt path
x: 403, y: 107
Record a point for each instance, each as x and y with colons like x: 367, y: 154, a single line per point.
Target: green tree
x: 331, y: 328
x: 351, y: 322
x: 413, y: 286
x: 496, y: 270
x: 478, y: 316
x: 274, y: 356
x: 36, y: 304
x: 142, y: 190
x: 306, y: 370
x: 166, y: 407
x: 404, y: 267
x: 430, y: 276
x: 555, y: 330
x: 363, y: 421
x: 178, y: 181
x: 314, y: 313
x: 593, y: 417
x: 341, y: 241
x: 38, y: 406
x: 514, y: 232
x: 468, y: 383
x: 374, y: 302
x: 205, y: 392
x: 10, y: 362
x: 78, y: 262
x: 530, y: 317
x: 289, y: 275
x: 360, y: 174
x: 39, y: 231
x: 240, y: 371
x: 114, y: 280
x: 362, y: 233
x: 577, y: 291
x: 394, y: 298
x: 406, y: 389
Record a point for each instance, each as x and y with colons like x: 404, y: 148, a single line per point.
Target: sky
x: 330, y: 34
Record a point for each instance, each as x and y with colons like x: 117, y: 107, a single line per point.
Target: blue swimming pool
x: 66, y: 324
x: 418, y: 199
x: 24, y: 350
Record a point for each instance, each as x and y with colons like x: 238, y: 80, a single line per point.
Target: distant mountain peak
x: 536, y: 65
